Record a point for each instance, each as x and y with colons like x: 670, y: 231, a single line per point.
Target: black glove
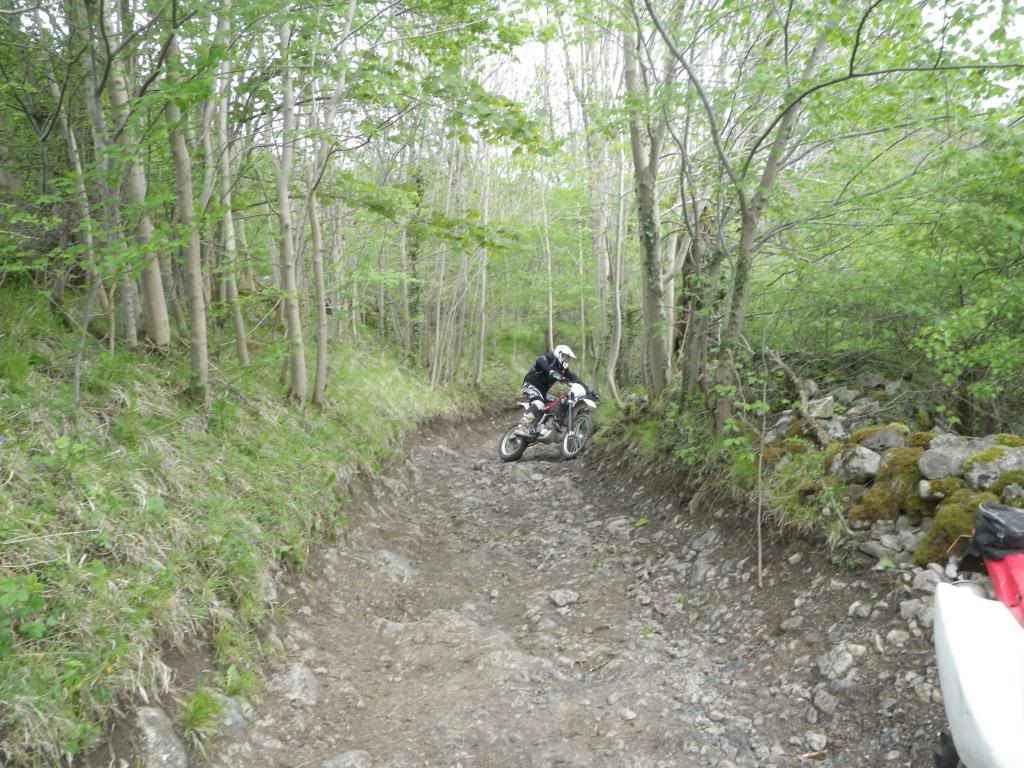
x: 557, y: 376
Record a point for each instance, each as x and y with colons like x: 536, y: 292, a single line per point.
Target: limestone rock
x: 983, y: 474
x: 946, y: 455
x: 160, y: 747
x: 883, y: 440
x: 855, y: 464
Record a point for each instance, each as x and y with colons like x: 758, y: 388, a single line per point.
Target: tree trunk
x: 616, y: 264
x: 293, y: 318
x: 85, y: 212
x: 645, y: 171
x: 109, y: 208
x: 695, y: 310
x: 154, y: 304
x: 320, y: 379
x: 247, y: 286
x: 548, y: 264
x: 199, y: 358
x: 168, y: 268
x: 484, y: 260
x: 228, y: 221
x: 725, y: 371
x: 439, y: 337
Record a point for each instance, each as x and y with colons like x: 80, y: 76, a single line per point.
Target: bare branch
x: 716, y: 136
x: 16, y: 11
x: 860, y: 28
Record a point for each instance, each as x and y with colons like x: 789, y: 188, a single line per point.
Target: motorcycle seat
x: 998, y: 530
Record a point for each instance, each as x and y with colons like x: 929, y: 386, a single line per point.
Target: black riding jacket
x: 546, y: 371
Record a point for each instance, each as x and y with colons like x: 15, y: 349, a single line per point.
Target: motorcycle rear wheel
x: 512, y: 446
x: 946, y: 755
x: 574, y: 440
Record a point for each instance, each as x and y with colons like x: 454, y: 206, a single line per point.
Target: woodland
x: 242, y: 235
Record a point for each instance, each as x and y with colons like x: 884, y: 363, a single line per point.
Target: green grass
x: 797, y: 495
x: 141, y: 518
x: 199, y: 713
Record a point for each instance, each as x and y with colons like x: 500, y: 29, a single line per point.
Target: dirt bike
x: 979, y: 649
x: 567, y: 417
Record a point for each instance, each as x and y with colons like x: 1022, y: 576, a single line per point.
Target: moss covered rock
x: 1010, y: 441
x: 947, y: 454
x: 987, y: 456
x: 921, y: 439
x: 987, y: 468
x: 830, y: 452
x: 895, y: 491
x: 773, y: 454
x: 880, y: 502
x: 942, y: 488
x: 1013, y: 477
x: 923, y: 419
x: 953, y: 519
x: 799, y: 430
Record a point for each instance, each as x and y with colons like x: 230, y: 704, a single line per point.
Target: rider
x: 550, y: 367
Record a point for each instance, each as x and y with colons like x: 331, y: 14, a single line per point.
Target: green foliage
x: 741, y: 445
x: 23, y: 614
x: 691, y: 443
x: 14, y: 367
x: 199, y: 713
x: 800, y: 497
x: 643, y: 435
x: 241, y: 684
x: 142, y: 517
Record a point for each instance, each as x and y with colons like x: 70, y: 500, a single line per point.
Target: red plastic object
x: 1007, y: 576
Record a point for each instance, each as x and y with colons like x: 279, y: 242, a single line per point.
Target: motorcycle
x: 567, y: 417
x: 979, y: 649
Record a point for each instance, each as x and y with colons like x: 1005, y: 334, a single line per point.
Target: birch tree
x: 289, y: 282
x: 200, y: 363
x: 224, y: 154
x: 154, y: 304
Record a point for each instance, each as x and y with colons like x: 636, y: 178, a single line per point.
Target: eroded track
x: 551, y: 613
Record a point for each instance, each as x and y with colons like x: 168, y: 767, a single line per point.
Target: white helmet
x: 563, y: 353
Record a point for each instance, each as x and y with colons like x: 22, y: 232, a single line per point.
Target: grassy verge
x: 140, y: 518
x: 795, y: 492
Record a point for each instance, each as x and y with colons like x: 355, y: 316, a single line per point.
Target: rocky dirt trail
x: 552, y: 613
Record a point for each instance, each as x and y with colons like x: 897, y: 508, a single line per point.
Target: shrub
x: 799, y: 495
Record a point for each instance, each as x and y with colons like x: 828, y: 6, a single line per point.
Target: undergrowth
x: 141, y: 519
x: 795, y: 492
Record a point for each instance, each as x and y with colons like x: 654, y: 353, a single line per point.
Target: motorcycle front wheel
x: 511, y: 446
x: 574, y: 439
